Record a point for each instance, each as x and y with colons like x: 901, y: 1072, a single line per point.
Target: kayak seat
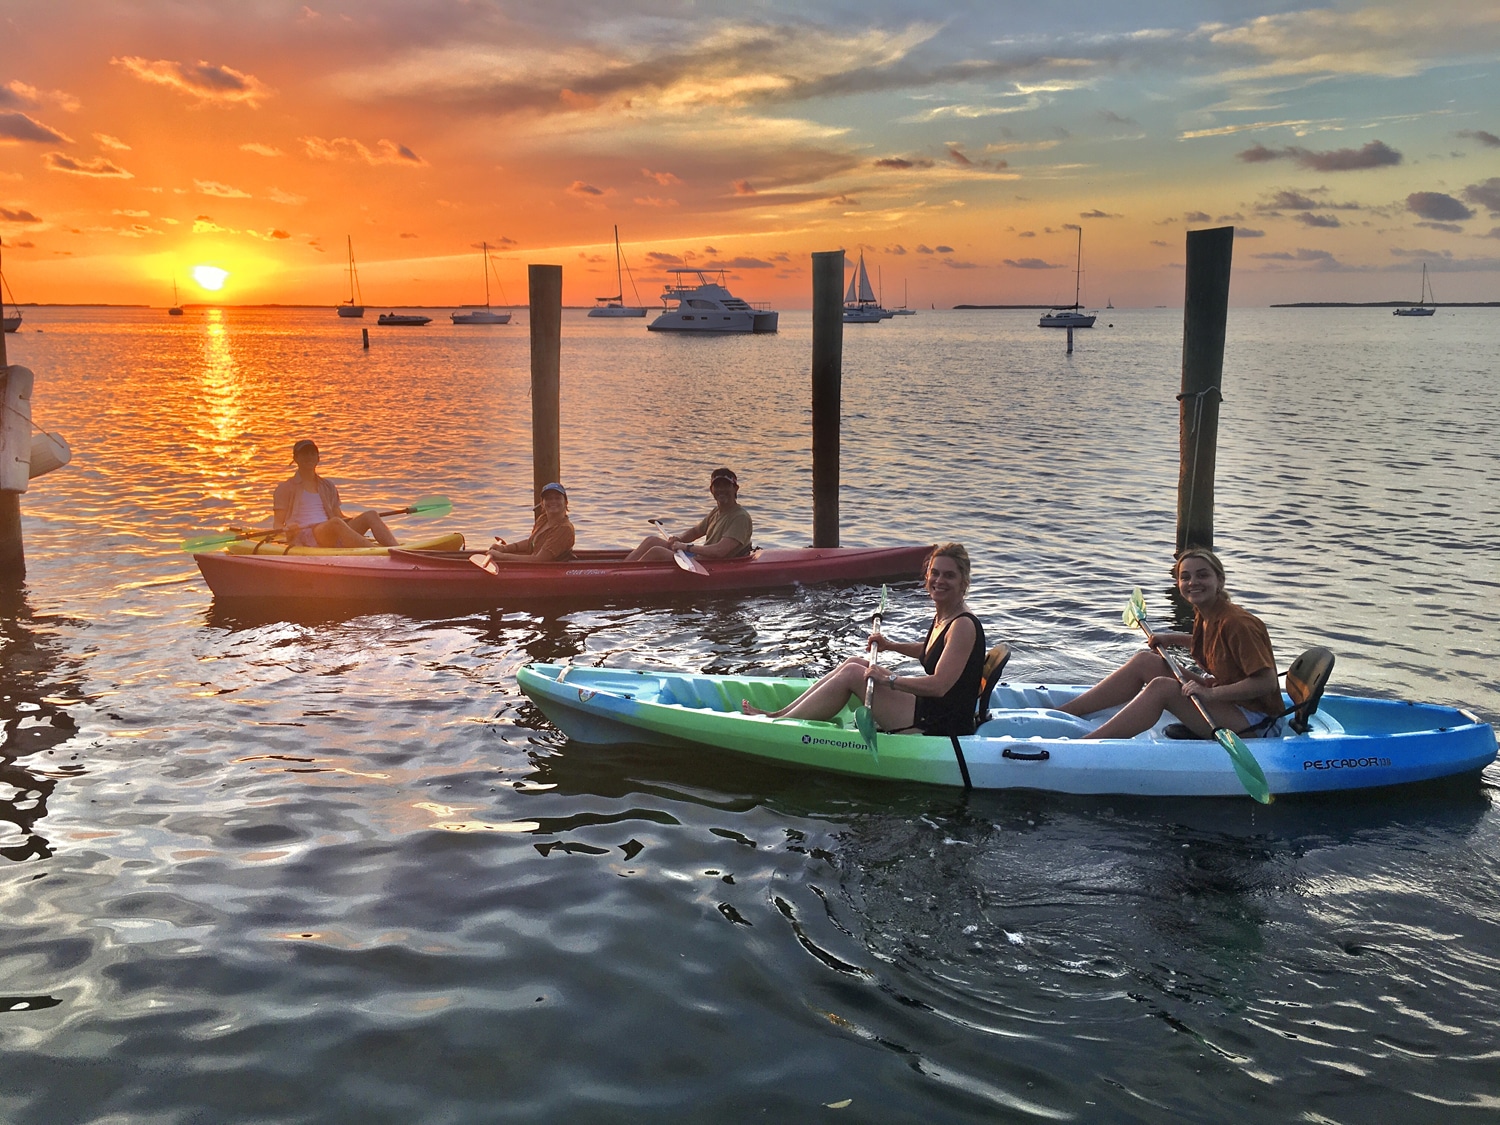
x: 994, y: 665
x: 1305, y: 681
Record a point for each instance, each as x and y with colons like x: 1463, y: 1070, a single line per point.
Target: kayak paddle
x: 1245, y: 766
x: 426, y: 506
x: 683, y: 560
x: 864, y: 721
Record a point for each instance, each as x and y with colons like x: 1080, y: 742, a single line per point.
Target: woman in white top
x: 307, y: 509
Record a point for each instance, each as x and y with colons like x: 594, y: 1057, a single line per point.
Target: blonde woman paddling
x: 940, y: 701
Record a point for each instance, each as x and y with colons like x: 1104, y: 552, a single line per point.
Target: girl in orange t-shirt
x: 1240, y: 688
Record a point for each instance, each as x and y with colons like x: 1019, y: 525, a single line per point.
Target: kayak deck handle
x: 1026, y: 755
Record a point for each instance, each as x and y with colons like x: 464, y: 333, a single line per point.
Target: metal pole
x: 827, y: 392
x: 1205, y: 315
x: 545, y: 285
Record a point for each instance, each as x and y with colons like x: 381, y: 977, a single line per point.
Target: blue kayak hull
x: 1024, y: 743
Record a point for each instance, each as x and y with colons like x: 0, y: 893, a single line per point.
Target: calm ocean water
x: 334, y: 868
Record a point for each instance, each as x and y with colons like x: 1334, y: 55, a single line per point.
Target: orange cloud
x: 20, y: 127
x: 208, y: 83
x: 99, y: 167
x: 346, y: 148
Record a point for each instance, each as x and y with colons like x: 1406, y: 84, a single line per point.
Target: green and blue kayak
x: 1024, y: 741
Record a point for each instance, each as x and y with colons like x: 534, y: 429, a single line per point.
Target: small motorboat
x: 709, y: 307
x: 406, y: 576
x: 1022, y: 741
x: 403, y: 319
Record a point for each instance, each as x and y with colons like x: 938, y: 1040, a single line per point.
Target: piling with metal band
x: 1205, y: 314
x: 545, y: 287
x: 827, y: 392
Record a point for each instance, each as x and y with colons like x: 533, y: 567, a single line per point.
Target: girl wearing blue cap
x: 551, y: 538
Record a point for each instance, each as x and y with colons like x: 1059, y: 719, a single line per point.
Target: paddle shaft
x: 684, y: 560
x: 873, y: 652
x: 1181, y: 676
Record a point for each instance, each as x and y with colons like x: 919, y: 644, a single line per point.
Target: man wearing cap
x: 725, y: 531
x: 551, y: 538
x: 308, y: 513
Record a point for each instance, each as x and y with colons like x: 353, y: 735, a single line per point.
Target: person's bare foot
x: 748, y: 708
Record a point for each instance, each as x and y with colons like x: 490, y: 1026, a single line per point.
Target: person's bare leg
x: 372, y: 523
x: 337, y: 533
x: 1120, y: 686
x: 648, y: 545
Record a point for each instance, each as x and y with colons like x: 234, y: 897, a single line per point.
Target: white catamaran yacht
x: 615, y: 306
x: 485, y: 315
x: 352, y: 307
x: 860, y: 304
x: 708, y: 307
x: 1071, y: 316
x: 1421, y: 307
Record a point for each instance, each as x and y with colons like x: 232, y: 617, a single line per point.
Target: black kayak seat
x: 1305, y: 681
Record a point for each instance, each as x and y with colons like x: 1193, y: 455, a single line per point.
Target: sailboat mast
x: 619, y: 281
x: 1078, y: 272
x: 486, y: 247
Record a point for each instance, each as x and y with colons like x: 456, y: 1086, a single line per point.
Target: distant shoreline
x: 1385, y: 305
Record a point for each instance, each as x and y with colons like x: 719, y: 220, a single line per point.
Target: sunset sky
x: 959, y: 145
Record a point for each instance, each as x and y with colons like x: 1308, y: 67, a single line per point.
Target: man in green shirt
x: 725, y: 531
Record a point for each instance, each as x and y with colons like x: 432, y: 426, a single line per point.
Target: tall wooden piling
x: 12, y: 547
x: 1205, y: 314
x: 545, y: 295
x: 827, y: 392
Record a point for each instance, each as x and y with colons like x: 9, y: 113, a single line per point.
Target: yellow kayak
x: 453, y: 541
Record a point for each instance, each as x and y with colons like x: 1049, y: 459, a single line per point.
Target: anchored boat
x: 1421, y: 308
x: 709, y: 307
x: 1022, y: 742
x: 485, y: 315
x: 352, y: 308
x: 421, y: 576
x: 615, y: 307
x: 1071, y: 316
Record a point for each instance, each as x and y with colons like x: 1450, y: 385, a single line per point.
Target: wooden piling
x: 827, y: 392
x: 1205, y: 314
x: 366, y: 333
x: 12, y: 546
x: 545, y: 289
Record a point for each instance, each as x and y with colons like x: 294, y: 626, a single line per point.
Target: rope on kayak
x: 963, y: 766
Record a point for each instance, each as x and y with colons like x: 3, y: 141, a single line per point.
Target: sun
x: 211, y: 278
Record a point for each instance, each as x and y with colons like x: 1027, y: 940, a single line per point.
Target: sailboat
x: 904, y: 310
x: 353, y: 307
x: 176, y: 309
x: 615, y: 306
x: 1071, y: 316
x: 9, y: 323
x: 484, y: 315
x: 860, y: 305
x: 1420, y: 308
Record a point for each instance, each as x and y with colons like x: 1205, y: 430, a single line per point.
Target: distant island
x: 1385, y: 305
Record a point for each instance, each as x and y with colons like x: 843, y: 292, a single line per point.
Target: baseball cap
x: 306, y: 445
x: 553, y: 486
x: 723, y: 474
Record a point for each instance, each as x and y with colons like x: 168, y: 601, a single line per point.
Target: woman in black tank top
x: 942, y: 701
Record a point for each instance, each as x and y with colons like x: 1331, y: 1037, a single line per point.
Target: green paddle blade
x: 1135, y: 610
x: 220, y: 539
x: 430, y: 506
x: 1251, y: 776
x: 864, y: 722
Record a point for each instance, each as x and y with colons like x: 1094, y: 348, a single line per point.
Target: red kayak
x: 432, y: 576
